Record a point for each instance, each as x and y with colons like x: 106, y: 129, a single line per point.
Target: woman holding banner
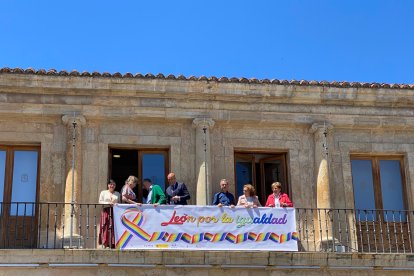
x: 249, y: 198
x: 128, y: 195
x: 277, y: 198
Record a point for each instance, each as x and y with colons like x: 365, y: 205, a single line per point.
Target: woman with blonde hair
x: 249, y: 198
x: 128, y: 195
x: 277, y: 198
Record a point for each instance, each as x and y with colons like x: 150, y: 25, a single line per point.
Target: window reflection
x: 391, y: 188
x: 363, y: 183
x: 243, y: 174
x: 24, y: 183
x: 153, y: 167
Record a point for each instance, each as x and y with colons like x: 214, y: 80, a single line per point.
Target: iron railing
x: 47, y: 225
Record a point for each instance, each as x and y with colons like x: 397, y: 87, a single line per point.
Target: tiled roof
x: 342, y: 84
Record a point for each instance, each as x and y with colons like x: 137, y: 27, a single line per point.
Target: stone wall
x: 160, y: 113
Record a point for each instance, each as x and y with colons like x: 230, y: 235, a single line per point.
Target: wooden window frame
x: 376, y: 176
x: 249, y: 156
x: 5, y: 216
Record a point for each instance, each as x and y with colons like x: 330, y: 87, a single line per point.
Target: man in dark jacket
x: 177, y: 193
x: 224, y: 197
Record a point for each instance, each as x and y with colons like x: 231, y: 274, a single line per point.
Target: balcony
x: 56, y: 225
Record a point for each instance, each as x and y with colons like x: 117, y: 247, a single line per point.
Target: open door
x: 260, y: 169
x: 272, y: 169
x: 245, y: 171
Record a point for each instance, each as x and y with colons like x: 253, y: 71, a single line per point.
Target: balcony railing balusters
x: 402, y: 230
x: 80, y: 225
x: 313, y: 228
x: 63, y: 226
x: 55, y: 226
x: 95, y: 228
x: 360, y: 232
x: 386, y: 221
x: 347, y: 232
x: 395, y: 230
x: 374, y: 231
x: 34, y: 225
x: 320, y: 228
x: 380, y: 215
x: 409, y: 232
x: 339, y: 225
x: 87, y: 223
x: 15, y: 226
x: 354, y: 229
x: 47, y: 225
x: 367, y: 230
x: 39, y: 224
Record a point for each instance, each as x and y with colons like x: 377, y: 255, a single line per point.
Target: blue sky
x: 361, y: 40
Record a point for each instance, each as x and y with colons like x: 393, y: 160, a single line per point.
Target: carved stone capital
x: 203, y: 122
x: 320, y: 127
x: 69, y: 119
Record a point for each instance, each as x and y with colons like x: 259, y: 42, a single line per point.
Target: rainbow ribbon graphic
x: 133, y: 228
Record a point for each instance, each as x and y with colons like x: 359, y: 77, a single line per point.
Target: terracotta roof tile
x: 75, y: 73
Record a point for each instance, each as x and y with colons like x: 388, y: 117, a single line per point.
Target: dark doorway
x: 124, y: 162
x: 142, y: 163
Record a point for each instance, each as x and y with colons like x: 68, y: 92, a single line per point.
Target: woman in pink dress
x: 249, y: 198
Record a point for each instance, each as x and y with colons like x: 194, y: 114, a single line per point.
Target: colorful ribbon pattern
x: 134, y: 228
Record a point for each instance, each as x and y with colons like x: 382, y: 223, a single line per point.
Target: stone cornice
x: 75, y: 73
x: 54, y: 87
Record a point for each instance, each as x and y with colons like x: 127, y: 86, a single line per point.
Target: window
x: 19, y: 181
x: 378, y: 185
x: 380, y: 216
x: 143, y: 163
x: 260, y: 170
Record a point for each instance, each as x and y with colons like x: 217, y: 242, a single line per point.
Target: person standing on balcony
x: 110, y: 196
x: 277, y: 198
x: 155, y: 193
x: 177, y: 193
x: 224, y: 197
x: 249, y: 198
x: 128, y: 195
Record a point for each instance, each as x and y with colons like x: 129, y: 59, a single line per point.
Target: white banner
x: 204, y: 228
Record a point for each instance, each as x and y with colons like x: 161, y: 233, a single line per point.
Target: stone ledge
x: 205, y: 258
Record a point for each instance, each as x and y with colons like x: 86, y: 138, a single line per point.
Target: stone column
x: 73, y: 185
x: 203, y: 160
x: 323, y: 189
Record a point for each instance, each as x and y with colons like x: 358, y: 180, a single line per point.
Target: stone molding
x: 79, y: 120
x: 203, y: 122
x: 320, y: 127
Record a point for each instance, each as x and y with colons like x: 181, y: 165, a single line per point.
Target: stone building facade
x: 305, y: 134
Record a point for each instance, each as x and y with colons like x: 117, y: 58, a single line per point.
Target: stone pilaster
x: 323, y: 197
x: 321, y: 133
x: 73, y: 185
x: 203, y: 160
